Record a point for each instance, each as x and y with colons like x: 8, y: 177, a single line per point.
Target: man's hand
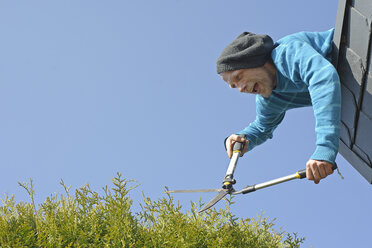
x: 316, y: 170
x: 230, y: 141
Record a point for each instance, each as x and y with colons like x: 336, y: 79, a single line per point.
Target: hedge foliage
x: 88, y: 219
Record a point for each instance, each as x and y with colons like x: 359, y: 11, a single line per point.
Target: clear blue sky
x: 91, y: 88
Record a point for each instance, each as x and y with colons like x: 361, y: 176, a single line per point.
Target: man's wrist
x: 323, y: 153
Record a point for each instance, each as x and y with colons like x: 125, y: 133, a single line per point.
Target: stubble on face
x: 259, y: 80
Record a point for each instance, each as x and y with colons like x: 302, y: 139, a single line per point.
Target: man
x: 294, y: 72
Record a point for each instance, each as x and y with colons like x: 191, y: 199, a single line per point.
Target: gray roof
x: 352, y: 58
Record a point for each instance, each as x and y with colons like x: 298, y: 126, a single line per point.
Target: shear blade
x: 216, y: 199
x: 193, y: 190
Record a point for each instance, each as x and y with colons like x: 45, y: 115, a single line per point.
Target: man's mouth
x: 255, y: 88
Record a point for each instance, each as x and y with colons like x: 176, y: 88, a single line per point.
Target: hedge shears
x: 229, y: 181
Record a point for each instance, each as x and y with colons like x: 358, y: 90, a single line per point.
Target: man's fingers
x: 232, y: 140
x: 315, y: 172
x: 245, y: 148
x: 229, y: 153
x: 229, y: 146
x: 244, y: 141
x: 322, y: 171
x: 329, y: 169
x: 309, y: 173
x: 235, y: 137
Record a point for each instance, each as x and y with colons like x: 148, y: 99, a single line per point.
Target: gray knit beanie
x: 248, y: 50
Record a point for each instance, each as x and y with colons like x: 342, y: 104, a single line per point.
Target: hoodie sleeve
x: 267, y: 119
x: 302, y: 64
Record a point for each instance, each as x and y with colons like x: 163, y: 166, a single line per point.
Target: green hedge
x: 88, y: 219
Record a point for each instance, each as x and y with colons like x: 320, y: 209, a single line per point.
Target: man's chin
x: 265, y: 95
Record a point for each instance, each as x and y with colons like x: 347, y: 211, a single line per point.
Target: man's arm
x: 302, y: 63
x: 324, y: 88
x: 262, y: 128
x: 258, y: 131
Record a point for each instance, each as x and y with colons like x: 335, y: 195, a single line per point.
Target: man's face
x: 259, y: 80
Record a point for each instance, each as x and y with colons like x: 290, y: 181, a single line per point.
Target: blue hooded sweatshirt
x: 305, y: 77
